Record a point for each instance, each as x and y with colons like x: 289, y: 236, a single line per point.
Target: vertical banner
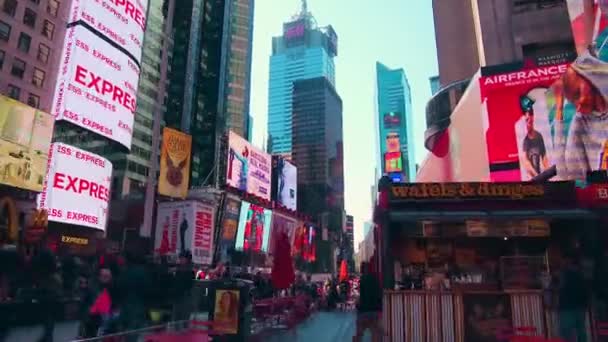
x: 175, y: 164
x: 230, y: 221
x: 202, y: 249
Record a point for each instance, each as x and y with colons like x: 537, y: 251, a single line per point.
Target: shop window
x: 13, y: 92
x: 38, y: 78
x: 5, y: 31
x: 43, y: 53
x: 18, y: 68
x: 24, y: 42
x: 33, y: 100
x: 53, y: 7
x: 29, y: 18
x: 2, y: 55
x: 10, y: 7
x: 48, y: 29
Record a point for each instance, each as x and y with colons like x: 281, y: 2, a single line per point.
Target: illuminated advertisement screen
x: 287, y: 184
x: 523, y: 141
x: 253, y: 233
x: 77, y: 187
x: 249, y: 169
x: 96, y: 87
x: 25, y: 138
x: 393, y: 162
x: 392, y: 120
x: 294, y: 33
x: 121, y: 21
x: 281, y: 224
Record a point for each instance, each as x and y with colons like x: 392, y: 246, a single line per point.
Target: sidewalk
x: 65, y: 331
x: 322, y: 327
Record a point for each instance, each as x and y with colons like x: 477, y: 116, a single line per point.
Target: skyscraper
x: 304, y: 51
x: 318, y: 153
x: 395, y: 124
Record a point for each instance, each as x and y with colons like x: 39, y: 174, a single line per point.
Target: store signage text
x: 429, y: 191
x: 74, y: 240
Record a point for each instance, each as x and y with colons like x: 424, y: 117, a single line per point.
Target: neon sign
x: 295, y: 31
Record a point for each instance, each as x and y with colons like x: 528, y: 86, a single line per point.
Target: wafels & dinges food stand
x: 463, y: 261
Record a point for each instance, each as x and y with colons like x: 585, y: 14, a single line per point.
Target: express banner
x: 25, y: 138
x: 175, y: 163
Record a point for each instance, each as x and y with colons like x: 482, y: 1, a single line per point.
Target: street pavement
x: 322, y: 327
x: 65, y: 331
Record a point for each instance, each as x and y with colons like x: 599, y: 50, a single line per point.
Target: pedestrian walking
x: 573, y: 301
x: 369, y: 307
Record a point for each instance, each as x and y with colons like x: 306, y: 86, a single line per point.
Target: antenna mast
x: 304, y: 7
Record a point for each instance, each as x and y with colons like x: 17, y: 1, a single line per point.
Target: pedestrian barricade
x: 190, y: 330
x: 279, y: 314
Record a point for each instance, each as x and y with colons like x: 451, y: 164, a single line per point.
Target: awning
x: 409, y: 216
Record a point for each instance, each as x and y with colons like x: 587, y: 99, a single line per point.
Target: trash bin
x: 231, y: 309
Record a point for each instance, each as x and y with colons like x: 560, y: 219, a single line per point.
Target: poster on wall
x: 185, y: 226
x: 249, y: 168
x: 25, y: 139
x: 175, y: 157
x: 77, y: 187
x: 282, y: 224
x: 230, y: 221
x: 520, y: 139
x: 253, y: 233
x: 287, y: 184
x: 486, y: 316
x: 226, y: 311
x: 96, y: 86
x: 121, y: 21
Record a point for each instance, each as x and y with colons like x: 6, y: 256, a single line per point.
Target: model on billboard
x: 243, y: 158
x: 582, y: 146
x: 534, y: 154
x: 254, y: 229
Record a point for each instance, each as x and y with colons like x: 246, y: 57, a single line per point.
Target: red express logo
x: 104, y: 87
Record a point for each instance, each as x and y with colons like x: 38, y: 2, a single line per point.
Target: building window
x: 43, y: 53
x: 10, y: 7
x: 5, y: 31
x: 48, y: 29
x: 33, y: 100
x: 13, y: 92
x: 53, y: 7
x: 18, y: 68
x: 38, y: 78
x: 29, y: 18
x: 24, y: 42
x: 2, y: 55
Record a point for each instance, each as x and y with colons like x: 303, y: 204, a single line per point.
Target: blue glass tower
x: 395, y: 125
x: 304, y: 51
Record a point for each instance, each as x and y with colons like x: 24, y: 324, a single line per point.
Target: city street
x: 323, y: 327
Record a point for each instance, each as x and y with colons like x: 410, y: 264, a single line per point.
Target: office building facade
x: 31, y: 41
x: 395, y: 152
x: 304, y: 51
x: 318, y: 153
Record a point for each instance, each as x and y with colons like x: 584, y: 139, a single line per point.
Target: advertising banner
x: 96, y: 87
x: 185, y: 226
x: 304, y: 244
x: 249, y: 168
x: 25, y: 138
x: 175, y: 163
x: 254, y: 228
x: 520, y: 138
x: 282, y: 224
x: 77, y: 187
x: 392, y: 132
x: 230, y: 221
x: 287, y: 184
x: 121, y: 21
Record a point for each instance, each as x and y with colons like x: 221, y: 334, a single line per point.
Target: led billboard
x: 249, y: 168
x: 254, y: 228
x: 281, y: 224
x: 287, y: 184
x: 96, y: 87
x: 185, y: 226
x: 121, y: 21
x: 25, y: 138
x: 77, y: 187
x: 294, y: 33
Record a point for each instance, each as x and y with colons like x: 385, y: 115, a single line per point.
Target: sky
x: 398, y: 33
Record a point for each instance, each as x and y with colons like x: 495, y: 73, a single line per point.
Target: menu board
x: 522, y: 272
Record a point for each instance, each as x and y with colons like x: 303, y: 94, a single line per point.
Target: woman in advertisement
x: 243, y: 158
x: 226, y: 313
x: 254, y: 229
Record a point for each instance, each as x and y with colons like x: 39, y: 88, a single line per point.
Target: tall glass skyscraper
x: 395, y: 125
x: 304, y: 51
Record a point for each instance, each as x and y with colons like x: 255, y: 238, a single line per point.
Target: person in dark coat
x: 573, y: 301
x: 369, y: 307
x: 182, y: 288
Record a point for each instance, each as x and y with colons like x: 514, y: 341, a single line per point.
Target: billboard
x: 521, y: 132
x: 304, y: 244
x: 392, y: 138
x: 294, y: 33
x: 254, y: 228
x: 228, y: 229
x: 185, y: 226
x: 175, y: 163
x: 97, y: 86
x: 25, y: 138
x: 77, y: 187
x: 287, y: 184
x: 282, y: 224
x: 249, y: 168
x: 121, y: 21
